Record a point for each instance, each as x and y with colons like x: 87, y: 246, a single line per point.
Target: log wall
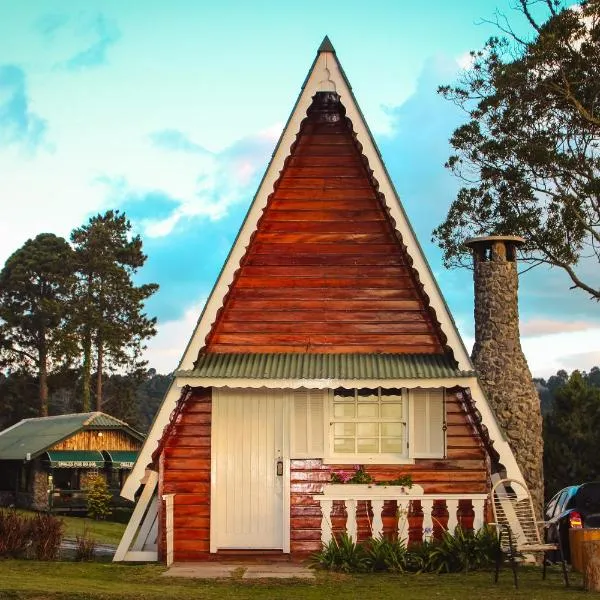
x: 185, y: 464
x: 91, y: 440
x: 465, y: 470
x: 185, y: 472
x: 326, y: 271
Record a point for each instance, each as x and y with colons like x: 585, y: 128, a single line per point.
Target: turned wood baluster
x: 427, y: 507
x: 326, y: 528
x: 452, y: 506
x: 377, y: 506
x: 351, y: 525
x: 478, y: 510
x: 403, y: 507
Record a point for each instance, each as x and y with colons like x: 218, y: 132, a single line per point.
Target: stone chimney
x: 499, y: 359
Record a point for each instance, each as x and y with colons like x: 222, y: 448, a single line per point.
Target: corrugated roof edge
x: 324, y: 366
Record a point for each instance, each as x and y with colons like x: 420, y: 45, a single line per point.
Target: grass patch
x: 100, y: 581
x: 104, y: 532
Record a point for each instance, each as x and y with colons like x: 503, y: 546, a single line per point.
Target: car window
x: 587, y: 499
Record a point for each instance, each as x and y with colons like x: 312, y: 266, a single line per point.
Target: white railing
x: 354, y: 496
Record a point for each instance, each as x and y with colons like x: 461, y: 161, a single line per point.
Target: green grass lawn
x: 104, y: 581
x: 104, y: 532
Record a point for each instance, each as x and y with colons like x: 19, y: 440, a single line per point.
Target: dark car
x: 574, y: 506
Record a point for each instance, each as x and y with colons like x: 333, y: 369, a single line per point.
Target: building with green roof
x: 45, y: 462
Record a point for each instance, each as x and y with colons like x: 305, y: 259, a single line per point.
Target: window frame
x: 332, y: 457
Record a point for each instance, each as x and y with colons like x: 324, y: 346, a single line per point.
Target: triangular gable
x: 326, y: 271
x: 325, y: 75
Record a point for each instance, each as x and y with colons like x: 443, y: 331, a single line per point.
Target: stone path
x: 210, y: 570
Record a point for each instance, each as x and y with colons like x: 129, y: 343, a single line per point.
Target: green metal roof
x: 324, y: 366
x: 34, y: 436
x: 122, y: 459
x: 75, y: 459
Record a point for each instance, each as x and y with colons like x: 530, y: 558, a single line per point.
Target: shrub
x: 85, y: 547
x: 46, y: 536
x: 393, y: 556
x: 462, y: 551
x: 15, y: 534
x: 342, y: 554
x: 98, y: 497
x: 458, y: 551
x: 37, y: 537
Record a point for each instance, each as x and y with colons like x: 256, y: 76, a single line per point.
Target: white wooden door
x: 248, y: 440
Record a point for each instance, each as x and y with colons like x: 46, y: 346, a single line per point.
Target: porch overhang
x: 323, y: 367
x: 75, y: 459
x: 122, y: 459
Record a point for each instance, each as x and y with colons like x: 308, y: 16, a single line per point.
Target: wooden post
x: 591, y: 565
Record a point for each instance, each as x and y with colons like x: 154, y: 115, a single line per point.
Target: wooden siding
x: 465, y: 470
x: 185, y: 472
x: 326, y: 271
x: 91, y: 440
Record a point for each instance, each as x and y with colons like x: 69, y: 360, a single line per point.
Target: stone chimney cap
x: 514, y: 239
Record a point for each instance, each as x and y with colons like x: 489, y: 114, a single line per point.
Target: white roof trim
x: 325, y: 75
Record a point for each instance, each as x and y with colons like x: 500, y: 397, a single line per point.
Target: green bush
x: 455, y: 552
x: 342, y: 554
x: 463, y: 551
x: 98, y: 497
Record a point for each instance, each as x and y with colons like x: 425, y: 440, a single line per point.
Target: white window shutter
x: 307, y: 426
x: 436, y: 423
x: 428, y: 437
x: 419, y: 425
x: 316, y: 447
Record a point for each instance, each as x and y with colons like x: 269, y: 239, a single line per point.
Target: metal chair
x: 518, y: 530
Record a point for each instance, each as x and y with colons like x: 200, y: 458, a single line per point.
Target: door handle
x: 280, y: 467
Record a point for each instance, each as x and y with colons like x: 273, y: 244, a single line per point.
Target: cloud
x: 190, y: 184
x: 174, y: 140
x: 105, y: 33
x: 536, y: 327
x: 18, y: 123
x: 166, y: 348
x: 48, y: 25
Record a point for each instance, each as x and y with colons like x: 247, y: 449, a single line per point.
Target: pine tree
x: 35, y: 286
x: 109, y: 307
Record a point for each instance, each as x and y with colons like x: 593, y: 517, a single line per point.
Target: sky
x: 170, y: 111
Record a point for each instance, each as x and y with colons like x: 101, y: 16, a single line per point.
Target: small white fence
x: 353, y: 496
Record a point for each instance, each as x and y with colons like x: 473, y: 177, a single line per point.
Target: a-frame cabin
x: 325, y: 344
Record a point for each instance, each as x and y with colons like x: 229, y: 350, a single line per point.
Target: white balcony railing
x: 354, y: 496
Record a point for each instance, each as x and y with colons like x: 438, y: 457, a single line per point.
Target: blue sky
x: 171, y: 110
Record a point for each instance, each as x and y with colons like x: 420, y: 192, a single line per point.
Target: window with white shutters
x: 308, y: 423
x: 376, y: 425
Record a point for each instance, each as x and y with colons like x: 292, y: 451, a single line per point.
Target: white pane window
x: 368, y: 421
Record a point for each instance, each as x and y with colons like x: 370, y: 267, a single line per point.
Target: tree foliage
x: 529, y: 154
x: 109, y: 307
x: 572, y: 432
x: 98, y: 497
x: 35, y: 287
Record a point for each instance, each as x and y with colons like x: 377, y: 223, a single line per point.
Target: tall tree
x: 35, y: 287
x: 530, y: 153
x: 109, y: 308
x: 571, y: 435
